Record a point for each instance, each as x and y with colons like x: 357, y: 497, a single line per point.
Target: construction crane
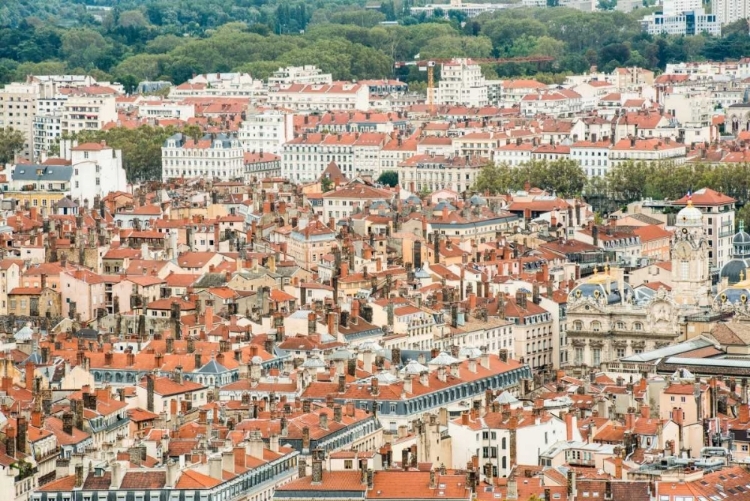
x: 429, y: 66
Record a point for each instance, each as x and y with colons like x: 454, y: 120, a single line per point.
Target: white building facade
x: 215, y: 156
x: 462, y: 83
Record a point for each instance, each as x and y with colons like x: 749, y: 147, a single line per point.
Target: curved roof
x: 736, y: 293
x: 741, y: 237
x: 735, y: 270
x: 603, y: 285
x: 689, y: 217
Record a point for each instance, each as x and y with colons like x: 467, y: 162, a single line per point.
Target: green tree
x: 389, y: 177
x: 494, y: 179
x: 743, y: 215
x: 143, y: 66
x: 141, y: 148
x: 11, y: 142
x: 326, y: 184
x: 84, y: 47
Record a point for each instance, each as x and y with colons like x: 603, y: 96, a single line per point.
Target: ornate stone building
x: 691, y: 280
x: 608, y: 319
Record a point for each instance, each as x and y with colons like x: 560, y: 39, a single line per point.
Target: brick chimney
x: 744, y: 413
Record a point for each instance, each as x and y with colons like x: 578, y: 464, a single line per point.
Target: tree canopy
x: 174, y: 39
x: 11, y: 142
x: 563, y: 177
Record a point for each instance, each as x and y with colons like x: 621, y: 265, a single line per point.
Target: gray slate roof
x: 43, y: 173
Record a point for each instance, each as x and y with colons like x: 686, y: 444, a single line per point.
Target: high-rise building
x: 462, y: 83
x: 729, y: 11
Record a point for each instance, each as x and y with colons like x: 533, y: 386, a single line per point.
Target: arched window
x: 596, y: 326
x: 577, y: 325
x: 620, y: 326
x: 638, y: 326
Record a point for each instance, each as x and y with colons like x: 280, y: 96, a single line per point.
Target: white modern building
x: 166, y: 109
x: 729, y: 11
x: 692, y: 22
x: 470, y: 9
x: 266, y: 130
x: 338, y: 96
x: 88, y: 108
x: 462, y: 83
x: 17, y: 107
x: 308, y: 74
x: 221, y: 85
x: 214, y: 156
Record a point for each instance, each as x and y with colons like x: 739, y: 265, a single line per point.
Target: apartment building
x: 558, y: 103
x: 462, y: 83
x: 97, y: 169
x: 221, y: 85
x: 17, y: 108
x: 342, y: 203
x: 212, y: 156
x: 266, y: 130
x: 308, y: 74
x: 307, y: 245
x: 729, y: 11
x: 593, y: 157
x: 337, y: 96
x: 88, y: 108
x: 436, y: 172
x: 646, y: 150
x: 307, y: 156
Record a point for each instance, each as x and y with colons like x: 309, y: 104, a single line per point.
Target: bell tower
x: 690, y: 264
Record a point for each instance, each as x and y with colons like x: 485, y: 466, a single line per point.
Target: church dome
x: 689, y: 217
x: 741, y: 237
x: 735, y: 270
x: 596, y: 287
x: 741, y: 243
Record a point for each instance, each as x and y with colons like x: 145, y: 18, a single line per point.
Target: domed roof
x: 256, y: 360
x: 735, y: 270
x: 689, y: 217
x: 741, y: 237
x: 596, y: 287
x: 736, y: 293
